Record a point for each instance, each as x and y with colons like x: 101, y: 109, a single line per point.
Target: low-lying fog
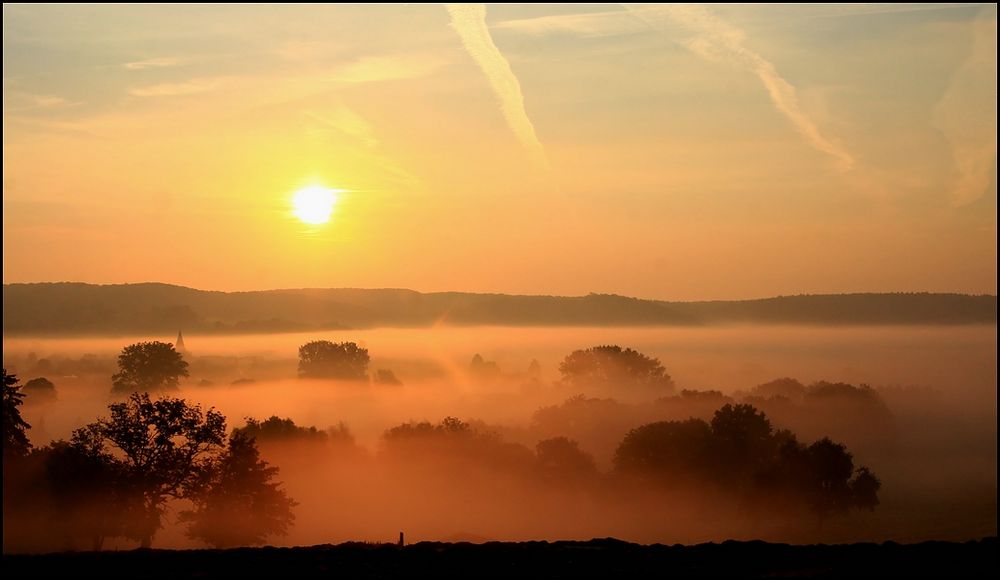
x: 929, y: 435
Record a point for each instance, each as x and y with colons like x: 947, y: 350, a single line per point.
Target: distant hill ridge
x: 78, y: 308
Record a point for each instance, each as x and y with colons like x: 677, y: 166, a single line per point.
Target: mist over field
x: 927, y: 429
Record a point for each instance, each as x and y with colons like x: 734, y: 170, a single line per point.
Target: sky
x: 677, y: 152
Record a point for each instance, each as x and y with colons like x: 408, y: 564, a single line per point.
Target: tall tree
x: 237, y: 503
x: 162, y: 449
x: 15, y: 437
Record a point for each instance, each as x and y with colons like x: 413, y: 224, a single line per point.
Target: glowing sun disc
x: 314, y: 204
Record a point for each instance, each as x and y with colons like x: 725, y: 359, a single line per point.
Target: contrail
x: 716, y: 39
x: 469, y: 21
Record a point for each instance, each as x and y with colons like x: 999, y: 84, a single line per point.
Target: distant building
x: 179, y: 345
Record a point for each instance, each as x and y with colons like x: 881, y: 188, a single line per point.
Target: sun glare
x: 314, y: 204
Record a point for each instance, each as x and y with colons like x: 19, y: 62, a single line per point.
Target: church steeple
x: 179, y: 345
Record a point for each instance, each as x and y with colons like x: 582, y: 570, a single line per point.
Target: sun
x: 314, y: 204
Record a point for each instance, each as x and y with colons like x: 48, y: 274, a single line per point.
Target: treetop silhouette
x: 148, y: 367
x: 322, y: 359
x: 613, y: 366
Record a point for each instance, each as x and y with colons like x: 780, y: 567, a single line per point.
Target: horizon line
x: 492, y: 293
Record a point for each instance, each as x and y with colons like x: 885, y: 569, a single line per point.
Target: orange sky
x: 677, y: 152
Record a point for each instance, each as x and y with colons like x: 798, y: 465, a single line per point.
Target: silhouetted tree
x: 341, y: 435
x: 740, y: 453
x: 236, y: 503
x: 854, y: 415
x: 449, y: 427
x: 275, y: 429
x: 861, y: 402
x: 560, y: 460
x: 15, y: 438
x: 597, y: 423
x: 534, y: 369
x: 864, y: 489
x: 90, y: 498
x: 784, y: 387
x: 387, y: 377
x: 667, y: 452
x: 824, y: 471
x: 17, y: 489
x: 612, y: 366
x: 691, y: 403
x: 323, y: 359
x: 742, y: 442
x: 161, y: 448
x: 39, y: 390
x: 484, y: 370
x: 456, y: 447
x: 148, y: 367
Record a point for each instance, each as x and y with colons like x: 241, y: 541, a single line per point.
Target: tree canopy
x: 161, y: 448
x: 90, y: 496
x: 560, y: 461
x: 275, y: 429
x: 237, y: 503
x: 740, y: 452
x: 613, y: 366
x: 322, y: 359
x: 39, y: 390
x: 148, y: 367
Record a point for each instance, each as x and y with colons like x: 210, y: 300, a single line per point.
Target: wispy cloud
x: 302, y: 49
x: 21, y: 102
x: 967, y: 114
x: 469, y: 21
x: 590, y: 24
x: 189, y: 87
x: 717, y: 40
x: 162, y: 62
x: 46, y: 101
x: 387, y: 67
x: 346, y: 121
x: 833, y: 10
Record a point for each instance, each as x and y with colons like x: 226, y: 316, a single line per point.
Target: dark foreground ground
x: 607, y: 558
